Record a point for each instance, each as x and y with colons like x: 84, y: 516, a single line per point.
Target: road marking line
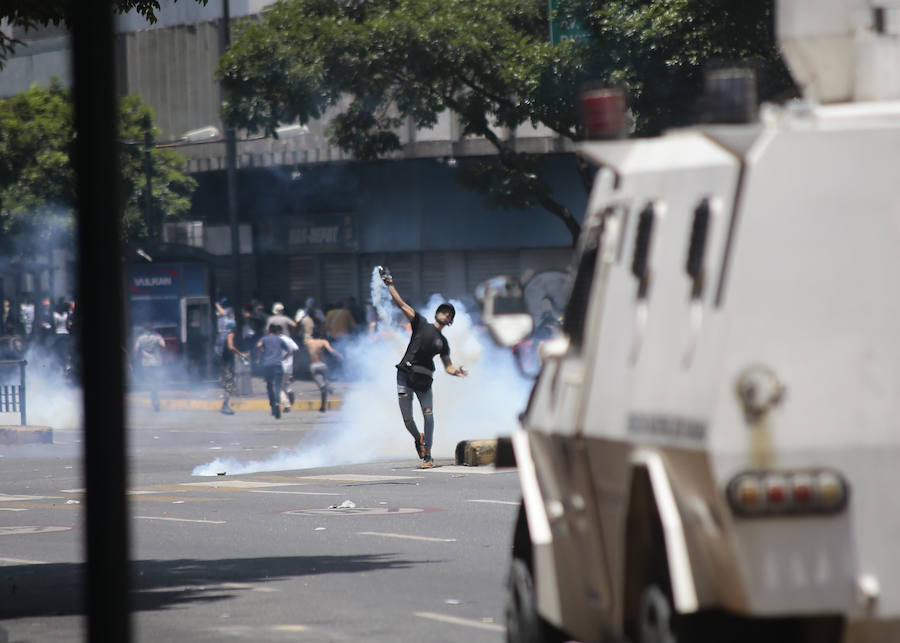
x: 407, y: 537
x: 208, y: 522
x: 32, y: 529
x: 456, y: 620
x: 8, y: 498
x: 128, y: 492
x: 12, y: 509
x: 253, y: 588
x: 289, y: 628
x: 355, y: 477
x: 487, y: 469
x: 236, y: 484
x: 21, y: 561
x: 496, y: 502
x: 299, y: 493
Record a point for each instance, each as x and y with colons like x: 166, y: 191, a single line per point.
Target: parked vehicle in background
x: 710, y: 446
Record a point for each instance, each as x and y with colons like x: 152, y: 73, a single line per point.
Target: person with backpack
x: 416, y: 370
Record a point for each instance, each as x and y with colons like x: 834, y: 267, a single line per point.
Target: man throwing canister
x: 416, y: 370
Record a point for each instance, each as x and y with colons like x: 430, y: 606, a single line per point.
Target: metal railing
x: 12, y: 396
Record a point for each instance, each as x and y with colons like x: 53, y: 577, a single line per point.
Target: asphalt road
x: 267, y: 556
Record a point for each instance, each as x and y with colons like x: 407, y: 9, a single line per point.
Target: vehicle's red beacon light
x: 603, y: 113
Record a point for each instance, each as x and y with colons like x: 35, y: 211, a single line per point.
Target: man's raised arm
x: 406, y: 308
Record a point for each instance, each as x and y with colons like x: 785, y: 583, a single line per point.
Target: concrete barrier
x: 26, y: 435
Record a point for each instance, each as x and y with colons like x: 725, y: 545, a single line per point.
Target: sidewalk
x: 207, y: 396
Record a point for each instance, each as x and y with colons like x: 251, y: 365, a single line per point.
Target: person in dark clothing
x: 9, y: 324
x: 229, y: 350
x: 271, y: 352
x: 43, y: 322
x: 415, y: 370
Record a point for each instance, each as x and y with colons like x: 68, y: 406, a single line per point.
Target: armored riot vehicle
x: 712, y: 447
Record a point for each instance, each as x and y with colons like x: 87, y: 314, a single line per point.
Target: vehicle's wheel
x: 523, y: 623
x: 655, y: 616
x: 658, y: 622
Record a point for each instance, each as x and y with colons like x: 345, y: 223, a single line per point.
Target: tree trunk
x: 562, y: 212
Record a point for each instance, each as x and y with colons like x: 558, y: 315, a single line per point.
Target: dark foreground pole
x: 231, y: 182
x: 100, y: 298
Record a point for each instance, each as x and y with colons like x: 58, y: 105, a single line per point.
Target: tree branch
x: 510, y: 160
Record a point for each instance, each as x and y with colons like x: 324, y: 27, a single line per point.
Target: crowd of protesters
x: 44, y: 324
x: 268, y: 339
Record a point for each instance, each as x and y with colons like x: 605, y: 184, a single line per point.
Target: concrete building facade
x: 313, y: 221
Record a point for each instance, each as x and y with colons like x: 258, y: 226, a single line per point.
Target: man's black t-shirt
x: 426, y: 342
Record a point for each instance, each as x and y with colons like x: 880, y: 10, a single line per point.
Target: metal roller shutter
x: 302, y: 274
x: 339, y: 277
x: 402, y: 268
x: 273, y: 280
x: 434, y: 272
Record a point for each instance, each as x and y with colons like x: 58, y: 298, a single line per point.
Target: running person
x: 271, y: 353
x: 317, y: 348
x: 287, y: 366
x: 415, y: 370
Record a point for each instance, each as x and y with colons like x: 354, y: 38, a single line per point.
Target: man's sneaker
x: 277, y: 412
x: 420, y: 445
x: 226, y: 410
x: 287, y: 409
x: 427, y: 463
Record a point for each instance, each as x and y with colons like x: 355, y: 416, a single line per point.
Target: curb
x: 26, y: 435
x: 236, y: 403
x: 475, y: 453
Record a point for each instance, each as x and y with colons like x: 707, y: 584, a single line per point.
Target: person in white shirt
x: 287, y: 393
x: 148, y: 354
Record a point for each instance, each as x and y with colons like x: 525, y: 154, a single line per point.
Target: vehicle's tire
x: 523, y: 623
x: 656, y: 616
x: 658, y: 622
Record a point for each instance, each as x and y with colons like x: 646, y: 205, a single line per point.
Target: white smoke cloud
x: 483, y: 405
x: 50, y: 400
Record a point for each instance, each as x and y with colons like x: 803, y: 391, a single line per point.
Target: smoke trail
x: 483, y: 405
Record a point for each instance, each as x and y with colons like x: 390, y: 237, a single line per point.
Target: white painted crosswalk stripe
x: 407, y: 537
x: 298, y: 493
x: 235, y: 484
x: 496, y: 502
x: 9, y: 498
x: 456, y: 620
x: 208, y: 522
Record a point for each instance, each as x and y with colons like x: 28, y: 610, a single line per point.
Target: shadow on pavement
x: 56, y: 589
